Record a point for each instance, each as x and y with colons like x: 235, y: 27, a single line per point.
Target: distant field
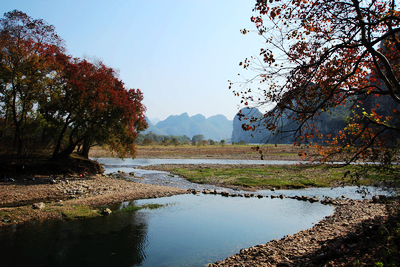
x: 280, y: 152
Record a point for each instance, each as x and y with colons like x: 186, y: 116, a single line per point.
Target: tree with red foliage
x: 319, y: 55
x: 27, y: 47
x: 94, y: 108
x: 49, y: 97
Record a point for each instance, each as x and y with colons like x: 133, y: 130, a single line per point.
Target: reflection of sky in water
x: 191, y: 230
x: 206, y: 228
x: 347, y: 191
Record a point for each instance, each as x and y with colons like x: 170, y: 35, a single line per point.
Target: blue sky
x: 180, y: 54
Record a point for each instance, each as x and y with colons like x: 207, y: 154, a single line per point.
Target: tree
x: 93, y: 107
x: 27, y: 49
x: 60, y: 101
x: 198, y: 138
x: 320, y: 55
x: 175, y: 141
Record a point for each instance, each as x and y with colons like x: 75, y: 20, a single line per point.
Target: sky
x: 179, y: 53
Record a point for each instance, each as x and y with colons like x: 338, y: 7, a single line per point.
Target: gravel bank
x: 16, y: 197
x: 342, y: 239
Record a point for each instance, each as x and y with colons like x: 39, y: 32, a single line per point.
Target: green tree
x: 198, y: 138
x: 175, y: 141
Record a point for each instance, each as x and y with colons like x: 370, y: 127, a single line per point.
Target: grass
x: 135, y: 208
x: 67, y: 212
x: 265, y: 176
x: 79, y: 212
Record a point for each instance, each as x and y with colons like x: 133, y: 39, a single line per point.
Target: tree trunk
x: 85, y: 148
x: 68, y: 151
x: 65, y: 153
x: 60, y: 138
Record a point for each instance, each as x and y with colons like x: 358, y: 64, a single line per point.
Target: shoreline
x: 61, y: 193
x: 341, y: 239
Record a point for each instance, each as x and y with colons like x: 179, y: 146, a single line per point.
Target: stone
x: 379, y: 199
x: 38, y: 206
x: 106, y: 212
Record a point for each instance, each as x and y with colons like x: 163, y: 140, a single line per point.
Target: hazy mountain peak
x: 216, y: 127
x: 154, y: 121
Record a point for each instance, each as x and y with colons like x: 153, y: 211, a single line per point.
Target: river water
x: 188, y: 230
x: 115, y: 165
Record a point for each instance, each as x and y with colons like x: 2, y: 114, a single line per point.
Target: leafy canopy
x: 320, y: 55
x: 49, y: 100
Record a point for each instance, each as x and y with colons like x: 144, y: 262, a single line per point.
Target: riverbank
x: 350, y: 237
x: 355, y: 235
x: 41, y: 197
x: 252, y: 177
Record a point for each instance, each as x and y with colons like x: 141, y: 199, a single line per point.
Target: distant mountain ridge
x: 216, y: 127
x: 328, y: 123
x: 238, y: 134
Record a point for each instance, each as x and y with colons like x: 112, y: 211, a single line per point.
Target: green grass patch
x: 80, y: 212
x: 3, y: 214
x: 277, y: 176
x: 136, y: 208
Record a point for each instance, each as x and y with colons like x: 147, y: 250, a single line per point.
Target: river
x: 188, y: 230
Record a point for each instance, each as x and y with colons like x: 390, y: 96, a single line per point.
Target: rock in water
x: 106, y: 211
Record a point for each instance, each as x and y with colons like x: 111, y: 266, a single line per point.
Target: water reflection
x: 113, y: 241
x: 192, y: 230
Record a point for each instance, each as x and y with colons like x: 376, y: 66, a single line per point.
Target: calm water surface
x: 189, y: 230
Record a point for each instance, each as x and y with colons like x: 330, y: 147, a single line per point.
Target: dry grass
x: 270, y: 152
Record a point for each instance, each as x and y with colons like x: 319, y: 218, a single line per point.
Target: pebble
x: 338, y: 233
